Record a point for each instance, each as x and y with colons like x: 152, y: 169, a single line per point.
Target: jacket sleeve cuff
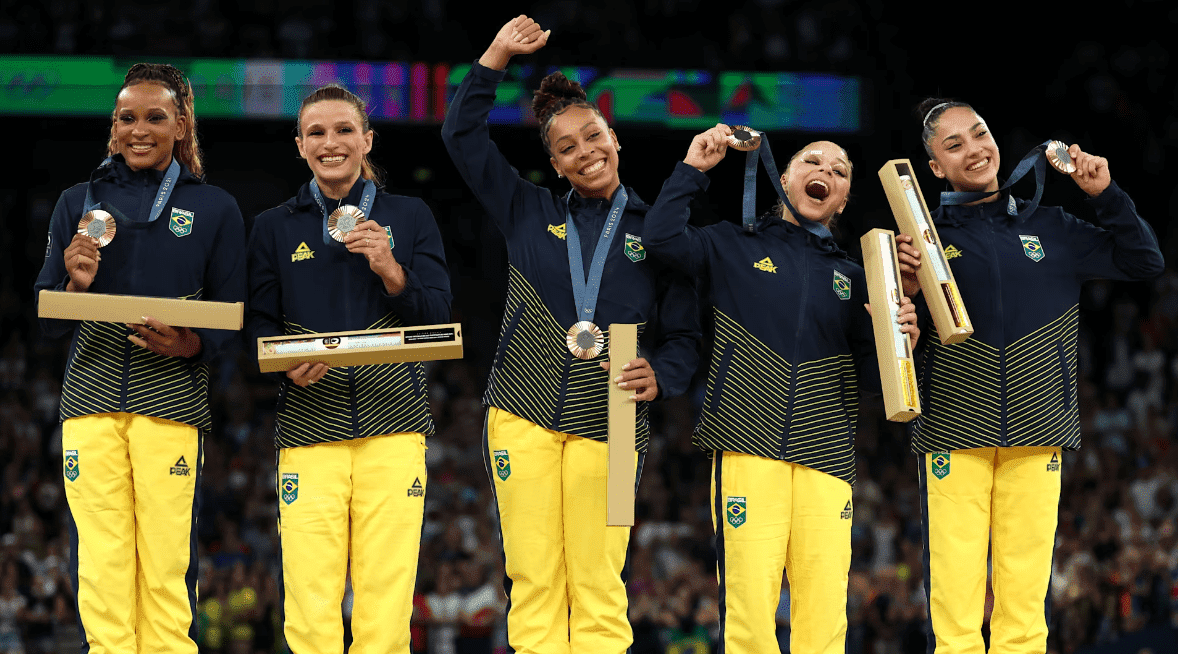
x: 489, y: 74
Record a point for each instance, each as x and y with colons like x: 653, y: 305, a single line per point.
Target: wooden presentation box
x: 360, y: 348
x: 623, y: 348
x: 892, y: 347
x: 174, y: 312
x: 936, y: 278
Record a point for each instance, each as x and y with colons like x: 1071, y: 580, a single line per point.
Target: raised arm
x: 1120, y: 245
x: 486, y: 171
x: 665, y: 230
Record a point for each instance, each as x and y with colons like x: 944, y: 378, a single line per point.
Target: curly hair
x: 187, y: 149
x: 557, y: 93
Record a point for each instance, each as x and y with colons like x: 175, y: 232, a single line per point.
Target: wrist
x: 495, y: 58
x: 74, y: 287
x: 394, y: 279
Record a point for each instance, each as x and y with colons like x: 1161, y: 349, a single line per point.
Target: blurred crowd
x: 1116, y: 565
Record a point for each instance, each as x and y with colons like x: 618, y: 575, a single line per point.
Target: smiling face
x: 817, y: 182
x: 964, y: 151
x: 147, y: 125
x: 333, y: 141
x: 585, y: 150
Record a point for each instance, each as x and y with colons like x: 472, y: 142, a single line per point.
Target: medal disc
x: 585, y: 340
x: 343, y: 220
x: 1058, y: 157
x: 99, y: 225
x: 744, y: 138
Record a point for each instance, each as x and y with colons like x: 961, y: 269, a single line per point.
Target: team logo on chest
x: 288, y: 487
x: 765, y: 264
x: 71, y: 465
x: 940, y: 465
x: 952, y: 252
x: 181, y: 222
x: 736, y: 511
x: 634, y: 250
x: 842, y: 286
x: 302, y: 253
x: 1032, y: 247
x: 502, y: 464
x: 558, y: 230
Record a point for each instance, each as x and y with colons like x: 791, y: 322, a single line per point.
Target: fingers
x: 307, y: 373
x: 159, y: 327
x: 638, y: 376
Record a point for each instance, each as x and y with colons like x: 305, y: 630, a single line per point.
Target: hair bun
x: 556, y: 92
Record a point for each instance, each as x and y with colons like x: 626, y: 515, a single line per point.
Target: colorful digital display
x: 418, y: 93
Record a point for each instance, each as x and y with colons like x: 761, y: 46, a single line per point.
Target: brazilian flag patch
x: 842, y: 286
x: 736, y: 510
x: 71, y: 465
x: 634, y: 250
x: 502, y: 464
x: 181, y: 222
x: 940, y: 465
x: 1032, y: 247
x: 288, y: 486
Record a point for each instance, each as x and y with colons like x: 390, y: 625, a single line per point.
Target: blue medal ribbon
x: 366, y: 200
x: 161, y: 197
x: 765, y: 155
x: 1036, y: 158
x: 585, y: 290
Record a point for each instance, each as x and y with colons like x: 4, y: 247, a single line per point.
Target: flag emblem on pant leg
x: 181, y: 468
x: 71, y: 465
x: 940, y: 465
x: 847, y: 511
x: 289, y: 487
x: 181, y: 222
x: 416, y: 490
x: 1032, y: 247
x: 1053, y: 464
x: 502, y: 464
x: 736, y: 509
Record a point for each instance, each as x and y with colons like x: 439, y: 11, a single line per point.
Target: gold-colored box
x: 936, y: 278
x: 174, y: 312
x: 892, y: 346
x: 361, y: 347
x: 623, y: 348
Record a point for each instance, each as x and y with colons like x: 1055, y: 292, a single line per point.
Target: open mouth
x: 141, y: 148
x: 333, y: 158
x: 978, y: 165
x: 593, y: 168
x: 817, y: 189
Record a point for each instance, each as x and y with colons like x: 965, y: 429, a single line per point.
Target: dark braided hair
x: 929, y: 112
x: 557, y: 93
x: 368, y: 170
x: 187, y: 149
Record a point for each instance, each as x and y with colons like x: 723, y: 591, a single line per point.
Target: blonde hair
x: 187, y: 149
x: 368, y: 170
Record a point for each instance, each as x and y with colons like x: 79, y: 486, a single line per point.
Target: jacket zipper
x: 793, y: 377
x: 996, y: 284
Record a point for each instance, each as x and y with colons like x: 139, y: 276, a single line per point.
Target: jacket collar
x: 118, y: 170
x: 771, y: 224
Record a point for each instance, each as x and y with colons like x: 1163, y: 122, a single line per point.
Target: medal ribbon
x: 1036, y: 158
x: 585, y: 290
x: 161, y: 197
x: 366, y: 200
x: 748, y: 216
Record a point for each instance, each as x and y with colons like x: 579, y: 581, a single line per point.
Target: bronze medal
x: 1057, y: 155
x: 343, y: 220
x: 585, y: 340
x: 99, y: 225
x: 744, y: 138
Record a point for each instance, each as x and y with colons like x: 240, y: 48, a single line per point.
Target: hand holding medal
x: 708, y: 148
x: 1090, y: 172
x: 370, y: 239
x: 81, y: 262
